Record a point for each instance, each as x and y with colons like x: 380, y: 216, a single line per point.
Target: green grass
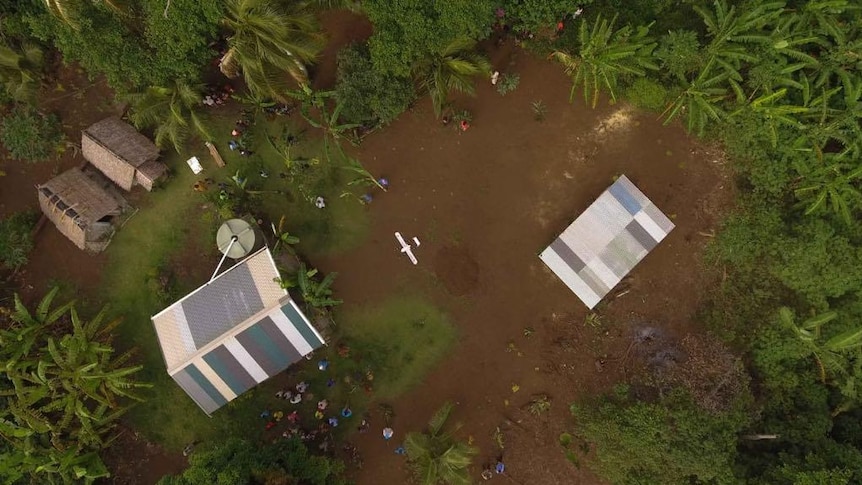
x: 341, y: 226
x: 401, y: 339
x: 398, y: 340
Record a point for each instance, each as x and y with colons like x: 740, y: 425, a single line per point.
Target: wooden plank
x: 215, y: 154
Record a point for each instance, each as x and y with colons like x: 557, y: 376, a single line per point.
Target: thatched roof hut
x: 121, y: 153
x: 80, y: 208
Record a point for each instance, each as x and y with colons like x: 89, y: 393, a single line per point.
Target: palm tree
x: 435, y: 456
x: 700, y: 100
x: 21, y: 71
x: 453, y: 68
x: 605, y: 54
x: 271, y: 42
x: 172, y: 111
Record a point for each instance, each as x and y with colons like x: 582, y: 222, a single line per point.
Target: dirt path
x: 485, y: 203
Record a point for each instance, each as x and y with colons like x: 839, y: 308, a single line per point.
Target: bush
x: 16, y: 240
x: 30, y: 135
x: 508, y: 83
x: 366, y: 94
x: 647, y: 94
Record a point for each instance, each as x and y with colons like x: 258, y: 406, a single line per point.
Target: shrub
x: 368, y: 95
x: 16, y: 240
x: 30, y: 135
x: 508, y: 83
x: 648, y: 94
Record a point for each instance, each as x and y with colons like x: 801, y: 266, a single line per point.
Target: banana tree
x: 316, y: 294
x: 774, y: 114
x: 831, y: 355
x: 604, y: 55
x: 282, y: 237
x: 700, y: 100
x: 830, y: 183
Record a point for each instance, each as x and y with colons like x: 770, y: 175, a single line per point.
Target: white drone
x: 407, y: 248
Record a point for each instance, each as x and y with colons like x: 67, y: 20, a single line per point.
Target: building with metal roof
x: 606, y: 241
x: 233, y: 333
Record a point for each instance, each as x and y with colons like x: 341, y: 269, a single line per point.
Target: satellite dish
x: 235, y: 238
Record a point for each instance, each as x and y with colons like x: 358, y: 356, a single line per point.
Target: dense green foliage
x: 538, y: 15
x: 407, y: 31
x: 779, y: 84
x: 61, y: 392
x: 145, y: 45
x: 16, y: 239
x: 368, y: 95
x: 670, y: 441
x: 236, y: 462
x: 29, y: 135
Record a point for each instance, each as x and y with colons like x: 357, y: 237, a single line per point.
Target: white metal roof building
x: 606, y: 241
x: 233, y: 333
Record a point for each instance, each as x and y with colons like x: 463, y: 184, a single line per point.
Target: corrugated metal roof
x: 248, y: 355
x: 215, y: 308
x: 606, y: 241
x: 233, y: 333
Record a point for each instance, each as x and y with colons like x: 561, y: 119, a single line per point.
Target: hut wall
x: 65, y: 224
x: 116, y: 169
x: 149, y: 173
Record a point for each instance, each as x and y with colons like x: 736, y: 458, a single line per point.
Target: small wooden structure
x: 125, y: 156
x: 81, y: 207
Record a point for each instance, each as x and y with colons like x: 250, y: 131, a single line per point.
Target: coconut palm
x: 172, y: 111
x: 604, y: 55
x: 270, y: 43
x: 435, y: 456
x: 451, y: 69
x: 21, y: 71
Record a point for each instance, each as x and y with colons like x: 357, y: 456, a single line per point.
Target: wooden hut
x: 125, y: 156
x: 81, y: 208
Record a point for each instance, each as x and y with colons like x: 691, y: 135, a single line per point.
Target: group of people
x: 217, y: 97
x: 293, y: 397
x: 236, y: 143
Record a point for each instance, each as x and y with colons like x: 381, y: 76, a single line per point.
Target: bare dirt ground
x: 485, y: 203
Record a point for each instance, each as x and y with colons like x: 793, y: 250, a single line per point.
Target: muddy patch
x: 456, y: 268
